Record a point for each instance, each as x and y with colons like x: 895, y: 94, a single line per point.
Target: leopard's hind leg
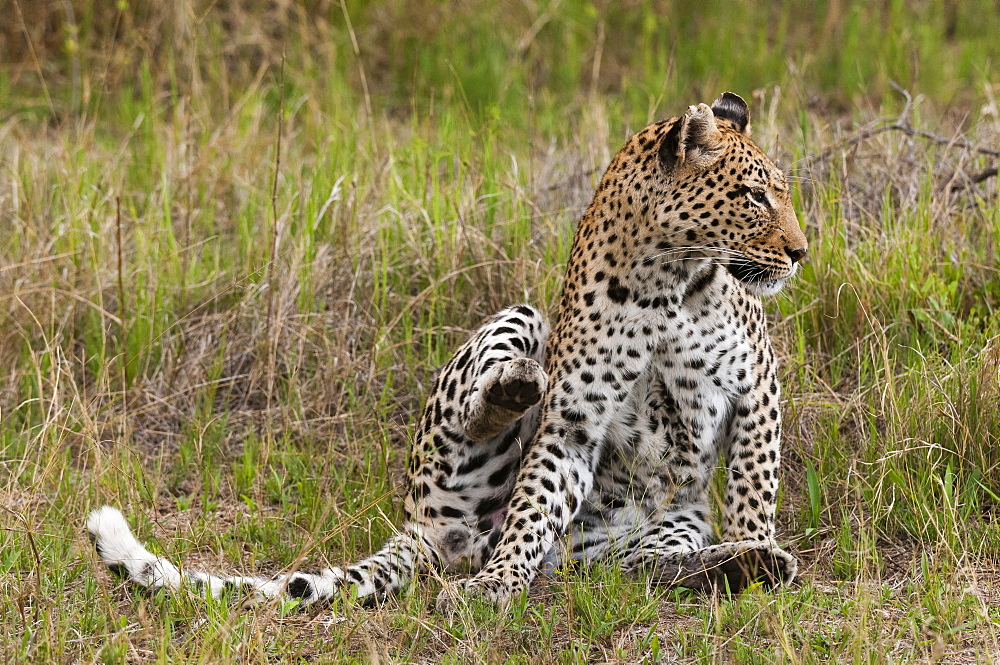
x: 465, y: 458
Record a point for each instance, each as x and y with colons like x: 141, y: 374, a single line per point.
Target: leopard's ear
x: 694, y: 141
x: 731, y: 108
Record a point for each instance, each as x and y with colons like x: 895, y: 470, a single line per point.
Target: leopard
x: 612, y: 435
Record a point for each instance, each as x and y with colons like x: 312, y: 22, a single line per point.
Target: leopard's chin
x: 759, y: 280
x: 765, y: 287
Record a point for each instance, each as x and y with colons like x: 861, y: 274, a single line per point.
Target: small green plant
x: 814, y: 494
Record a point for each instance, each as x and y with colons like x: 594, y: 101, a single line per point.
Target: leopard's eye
x: 759, y: 196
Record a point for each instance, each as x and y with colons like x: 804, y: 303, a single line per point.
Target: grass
x: 233, y: 346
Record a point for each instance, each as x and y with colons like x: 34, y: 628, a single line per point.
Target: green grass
x: 251, y: 410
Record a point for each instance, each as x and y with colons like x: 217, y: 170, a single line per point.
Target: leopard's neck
x: 614, y: 263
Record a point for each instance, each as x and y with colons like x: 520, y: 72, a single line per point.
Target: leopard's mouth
x: 759, y: 279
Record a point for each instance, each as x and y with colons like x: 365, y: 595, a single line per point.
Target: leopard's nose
x: 795, y: 253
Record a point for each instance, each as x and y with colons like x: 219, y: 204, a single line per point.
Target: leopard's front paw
x: 733, y: 565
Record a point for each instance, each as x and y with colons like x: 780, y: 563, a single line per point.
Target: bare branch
x: 973, y: 178
x: 865, y: 134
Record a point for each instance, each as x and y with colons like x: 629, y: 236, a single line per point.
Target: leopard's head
x: 722, y: 198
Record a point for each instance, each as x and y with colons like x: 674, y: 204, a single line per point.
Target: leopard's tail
x: 377, y: 576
